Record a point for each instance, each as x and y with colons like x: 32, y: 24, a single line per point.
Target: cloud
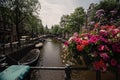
x: 52, y: 10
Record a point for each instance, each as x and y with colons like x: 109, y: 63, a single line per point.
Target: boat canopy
x: 15, y: 72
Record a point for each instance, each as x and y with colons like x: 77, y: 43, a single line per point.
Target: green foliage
x: 73, y: 22
x: 73, y: 52
x: 64, y: 20
x: 33, y: 25
x: 22, y: 14
x: 46, y: 30
x: 107, y: 5
x: 55, y: 29
x: 77, y: 19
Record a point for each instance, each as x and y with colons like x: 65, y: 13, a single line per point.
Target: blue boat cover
x: 14, y: 72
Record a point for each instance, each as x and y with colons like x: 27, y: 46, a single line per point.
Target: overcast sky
x: 52, y: 10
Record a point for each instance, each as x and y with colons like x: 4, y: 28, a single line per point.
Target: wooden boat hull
x: 31, y: 58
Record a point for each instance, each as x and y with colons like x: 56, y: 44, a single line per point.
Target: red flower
x: 96, y: 25
x: 96, y: 66
x: 100, y: 65
x: 85, y: 42
x: 80, y: 47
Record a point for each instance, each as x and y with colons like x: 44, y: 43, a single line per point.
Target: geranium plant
x: 100, y: 47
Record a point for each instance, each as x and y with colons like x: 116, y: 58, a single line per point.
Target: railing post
x: 98, y: 75
x: 117, y: 74
x: 67, y: 72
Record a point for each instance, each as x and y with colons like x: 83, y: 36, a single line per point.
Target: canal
x: 50, y: 57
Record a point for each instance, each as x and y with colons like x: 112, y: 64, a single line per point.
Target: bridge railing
x: 68, y: 69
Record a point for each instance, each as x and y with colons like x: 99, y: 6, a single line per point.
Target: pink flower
x: 93, y: 39
x: 115, y: 31
x: 104, y: 56
x: 103, y: 39
x: 101, y: 48
x: 113, y: 11
x: 75, y: 34
x: 103, y: 33
x: 77, y: 40
x: 66, y: 43
x: 113, y: 62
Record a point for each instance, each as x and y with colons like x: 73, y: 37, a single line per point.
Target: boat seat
x: 15, y: 72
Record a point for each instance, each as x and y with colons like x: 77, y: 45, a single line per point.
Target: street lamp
x: 118, y: 0
x: 86, y: 21
x: 84, y: 28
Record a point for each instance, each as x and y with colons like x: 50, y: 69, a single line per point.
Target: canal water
x: 50, y: 57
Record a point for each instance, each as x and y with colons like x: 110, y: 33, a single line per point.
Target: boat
x: 31, y: 58
x: 41, y: 40
x: 15, y: 72
x: 22, y: 70
x: 39, y: 45
x: 3, y: 64
x: 2, y: 58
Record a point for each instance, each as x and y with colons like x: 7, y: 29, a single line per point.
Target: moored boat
x: 3, y: 64
x: 31, y: 58
x: 39, y: 45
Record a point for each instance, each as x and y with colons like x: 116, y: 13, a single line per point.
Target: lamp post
x: 118, y: 0
x: 17, y: 22
x: 86, y: 21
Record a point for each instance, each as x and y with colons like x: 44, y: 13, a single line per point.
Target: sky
x: 52, y: 10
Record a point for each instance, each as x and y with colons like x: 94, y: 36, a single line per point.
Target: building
x: 90, y: 14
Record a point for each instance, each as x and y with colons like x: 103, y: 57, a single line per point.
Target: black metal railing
x: 68, y: 69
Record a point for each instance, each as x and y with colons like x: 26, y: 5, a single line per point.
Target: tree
x: 73, y: 22
x: 41, y: 28
x: 46, y: 30
x: 55, y: 29
x: 33, y: 25
x: 77, y: 19
x: 64, y: 25
x: 64, y: 20
x: 16, y: 12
